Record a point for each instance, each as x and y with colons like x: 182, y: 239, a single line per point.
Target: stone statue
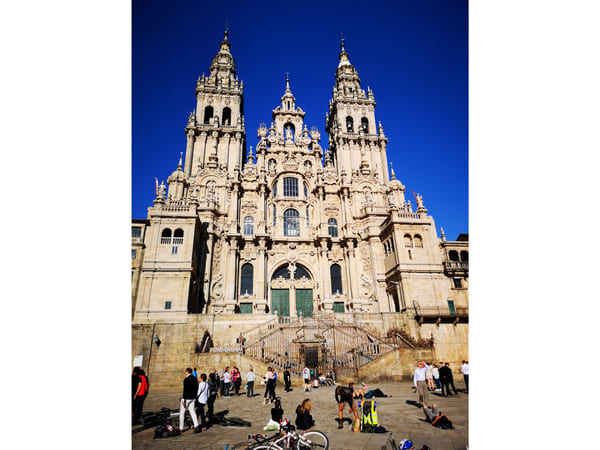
x: 419, y: 198
x: 162, y: 190
x: 288, y: 134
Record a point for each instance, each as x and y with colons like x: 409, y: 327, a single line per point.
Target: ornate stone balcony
x: 456, y: 268
x: 440, y: 314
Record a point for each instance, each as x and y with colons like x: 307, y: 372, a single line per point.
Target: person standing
x: 202, y: 398
x: 436, y: 378
x: 420, y: 383
x: 188, y: 398
x: 343, y: 395
x: 306, y: 376
x: 213, y: 392
x: 429, y: 376
x: 447, y: 380
x: 287, y: 379
x: 236, y: 379
x: 250, y: 377
x: 135, y: 388
x: 226, y: 382
x: 465, y: 371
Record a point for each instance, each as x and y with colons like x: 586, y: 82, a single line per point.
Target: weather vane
x: 227, y: 25
x: 287, y: 75
x: 342, y: 38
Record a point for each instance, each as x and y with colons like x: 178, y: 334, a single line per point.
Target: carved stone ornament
x: 216, y: 292
x: 250, y: 173
x: 291, y: 163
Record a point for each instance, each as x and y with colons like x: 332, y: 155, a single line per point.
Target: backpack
x: 165, y: 430
x: 369, y: 416
x: 442, y: 422
x: 144, y: 388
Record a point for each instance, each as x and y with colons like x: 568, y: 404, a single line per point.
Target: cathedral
x: 245, y: 239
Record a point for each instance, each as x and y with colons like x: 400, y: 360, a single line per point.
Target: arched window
x: 305, y: 191
x: 418, y: 241
x: 165, y: 237
x: 226, y: 116
x: 178, y: 236
x: 408, y: 243
x: 364, y: 124
x: 208, y: 114
x: 464, y: 256
x: 300, y: 273
x: 307, y: 218
x: 290, y: 187
x: 247, y: 279
x: 336, y: 279
x: 275, y: 190
x: 332, y: 227
x: 291, y: 223
x: 453, y: 255
x: 282, y: 272
x: 248, y: 226
x: 349, y: 124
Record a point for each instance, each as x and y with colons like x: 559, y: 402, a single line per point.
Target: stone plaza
x: 401, y: 419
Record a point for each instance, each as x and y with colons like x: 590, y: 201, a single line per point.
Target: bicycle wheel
x: 313, y: 439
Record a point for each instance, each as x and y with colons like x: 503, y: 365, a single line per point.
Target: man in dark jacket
x: 447, y: 379
x: 188, y: 400
x: 287, y: 378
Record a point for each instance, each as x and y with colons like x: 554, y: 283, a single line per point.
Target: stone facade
x: 291, y: 229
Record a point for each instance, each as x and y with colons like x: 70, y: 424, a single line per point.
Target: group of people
x: 197, y: 394
x: 429, y: 377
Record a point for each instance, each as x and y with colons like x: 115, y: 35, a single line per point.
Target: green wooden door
x: 304, y: 302
x: 338, y: 307
x: 281, y: 302
x: 246, y: 308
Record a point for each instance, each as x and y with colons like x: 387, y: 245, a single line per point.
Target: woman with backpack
x: 213, y: 390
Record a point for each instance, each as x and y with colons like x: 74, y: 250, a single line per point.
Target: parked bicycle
x: 286, y: 439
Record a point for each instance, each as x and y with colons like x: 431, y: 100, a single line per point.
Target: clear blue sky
x: 412, y: 54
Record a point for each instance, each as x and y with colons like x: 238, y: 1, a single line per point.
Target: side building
x: 292, y: 246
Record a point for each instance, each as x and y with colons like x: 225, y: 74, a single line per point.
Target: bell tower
x: 216, y: 130
x: 355, y: 141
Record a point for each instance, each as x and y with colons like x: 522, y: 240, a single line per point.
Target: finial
x: 443, y: 234
x: 226, y: 28
x: 342, y: 39
x: 393, y: 174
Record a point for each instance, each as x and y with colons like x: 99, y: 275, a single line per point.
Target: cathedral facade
x: 287, y: 228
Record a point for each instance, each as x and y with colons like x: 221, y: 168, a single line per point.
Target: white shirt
x: 226, y: 377
x: 306, y: 373
x: 202, y: 392
x: 436, y: 372
x: 465, y: 369
x: 250, y: 376
x: 419, y: 374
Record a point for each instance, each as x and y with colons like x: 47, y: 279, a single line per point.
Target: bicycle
x: 288, y: 440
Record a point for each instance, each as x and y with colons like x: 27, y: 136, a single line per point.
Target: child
x: 304, y: 420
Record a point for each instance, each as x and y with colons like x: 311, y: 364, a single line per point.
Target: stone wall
x: 165, y: 364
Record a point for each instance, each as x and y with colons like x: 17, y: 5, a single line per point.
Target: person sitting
x: 329, y: 378
x: 304, y: 420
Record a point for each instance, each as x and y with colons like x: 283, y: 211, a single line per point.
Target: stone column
x: 231, y: 276
x: 189, y: 151
x: 261, y: 286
